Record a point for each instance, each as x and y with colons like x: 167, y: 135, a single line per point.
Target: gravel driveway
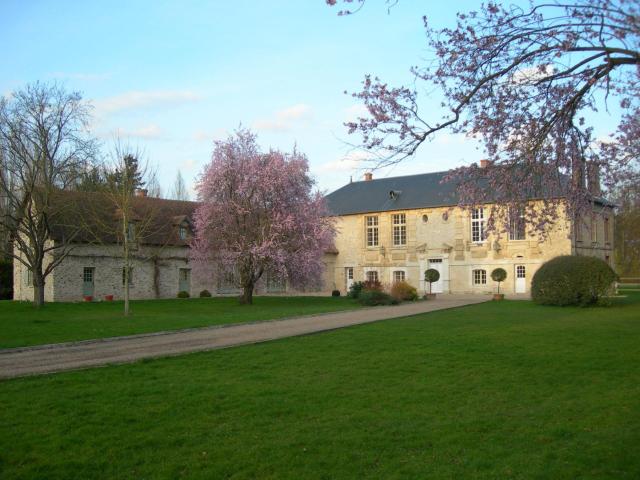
x: 16, y: 362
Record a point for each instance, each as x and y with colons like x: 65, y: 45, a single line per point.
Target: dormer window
x: 182, y: 232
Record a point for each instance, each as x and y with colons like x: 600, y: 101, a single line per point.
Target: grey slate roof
x: 416, y: 191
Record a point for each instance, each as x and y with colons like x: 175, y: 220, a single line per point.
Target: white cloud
x: 285, y: 119
x: 351, y: 161
x: 355, y: 111
x: 144, y: 99
x: 532, y: 74
x: 209, y: 136
x: 148, y: 132
x: 188, y: 164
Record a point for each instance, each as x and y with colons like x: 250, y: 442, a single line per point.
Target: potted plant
x: 431, y: 275
x: 87, y: 298
x: 108, y: 298
x: 498, y: 275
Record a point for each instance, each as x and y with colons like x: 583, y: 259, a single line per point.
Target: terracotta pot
x: 429, y: 296
x: 88, y: 298
x: 108, y: 298
x: 498, y: 296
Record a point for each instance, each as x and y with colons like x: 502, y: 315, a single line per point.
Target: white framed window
x: 372, y: 276
x: 517, y: 224
x: 28, y: 277
x: 182, y: 232
x: 479, y: 277
x: 594, y: 229
x: 371, y: 226
x: 399, y: 222
x: 399, y: 276
x: 87, y: 274
x: 478, y: 231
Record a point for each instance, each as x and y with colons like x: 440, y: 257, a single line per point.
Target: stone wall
x: 441, y: 238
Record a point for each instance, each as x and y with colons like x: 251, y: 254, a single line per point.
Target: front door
x: 436, y: 264
x: 87, y: 281
x: 184, y: 280
x: 348, y: 274
x: 521, y: 279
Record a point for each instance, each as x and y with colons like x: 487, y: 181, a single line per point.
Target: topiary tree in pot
x: 498, y: 275
x: 431, y: 275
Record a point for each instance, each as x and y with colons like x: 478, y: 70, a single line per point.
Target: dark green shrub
x: 355, y: 289
x: 376, y: 297
x: 499, y: 275
x: 573, y: 280
x: 183, y: 294
x: 402, y: 291
x: 6, y: 279
x: 205, y: 293
x: 335, y: 293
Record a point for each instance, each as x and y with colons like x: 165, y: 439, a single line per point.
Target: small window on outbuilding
x: 182, y: 232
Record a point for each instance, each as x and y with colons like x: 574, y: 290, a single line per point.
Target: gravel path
x: 16, y: 362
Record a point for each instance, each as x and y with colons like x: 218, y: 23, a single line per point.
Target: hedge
x: 573, y: 280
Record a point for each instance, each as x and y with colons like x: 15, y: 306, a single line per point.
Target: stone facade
x: 97, y: 270
x: 441, y: 238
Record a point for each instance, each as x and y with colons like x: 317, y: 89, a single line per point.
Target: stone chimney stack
x: 484, y: 163
x: 141, y: 192
x: 368, y: 177
x: 577, y: 173
x: 593, y: 179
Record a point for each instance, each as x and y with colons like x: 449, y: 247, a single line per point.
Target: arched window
x: 479, y: 277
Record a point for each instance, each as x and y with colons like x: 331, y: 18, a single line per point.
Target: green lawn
x: 496, y: 390
x: 21, y: 324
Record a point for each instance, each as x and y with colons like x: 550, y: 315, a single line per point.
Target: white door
x: 348, y: 273
x: 436, y: 264
x: 521, y: 279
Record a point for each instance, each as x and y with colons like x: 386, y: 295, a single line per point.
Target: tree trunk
x: 126, y: 291
x: 247, y: 295
x: 38, y: 289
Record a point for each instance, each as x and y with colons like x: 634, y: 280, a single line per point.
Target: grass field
x: 496, y: 390
x: 21, y: 324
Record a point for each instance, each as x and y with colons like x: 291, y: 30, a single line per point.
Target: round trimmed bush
x: 205, y: 293
x: 335, y: 293
x: 183, y: 294
x: 573, y: 280
x: 499, y: 275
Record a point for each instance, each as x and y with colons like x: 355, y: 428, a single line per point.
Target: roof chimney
x: 593, y: 179
x: 141, y: 192
x: 368, y: 177
x: 484, y: 163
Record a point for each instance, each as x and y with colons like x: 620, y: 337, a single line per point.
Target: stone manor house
x: 388, y: 230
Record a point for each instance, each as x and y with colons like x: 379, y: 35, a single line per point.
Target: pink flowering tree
x: 528, y: 81
x: 259, y: 215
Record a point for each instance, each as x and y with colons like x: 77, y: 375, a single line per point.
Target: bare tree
x: 43, y: 145
x: 119, y: 212
x: 153, y: 187
x: 179, y: 188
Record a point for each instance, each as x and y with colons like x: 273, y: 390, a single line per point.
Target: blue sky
x: 174, y: 76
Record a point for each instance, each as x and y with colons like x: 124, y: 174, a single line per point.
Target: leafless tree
x: 44, y: 143
x: 120, y: 214
x: 179, y: 188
